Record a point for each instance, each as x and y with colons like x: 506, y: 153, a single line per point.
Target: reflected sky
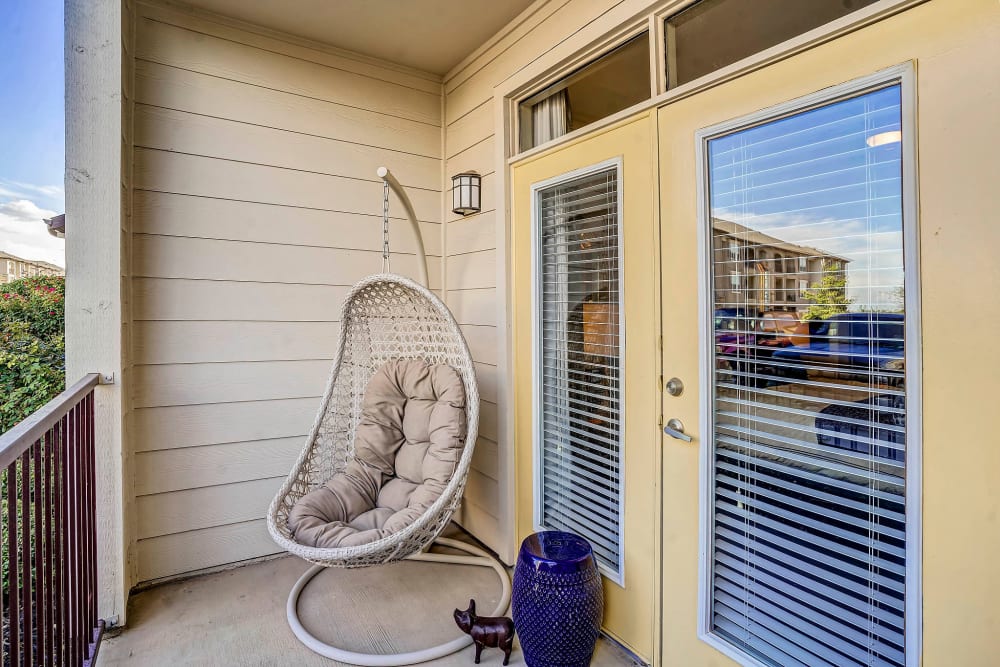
x: 828, y: 179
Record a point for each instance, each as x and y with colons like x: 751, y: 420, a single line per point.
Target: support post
x: 96, y: 267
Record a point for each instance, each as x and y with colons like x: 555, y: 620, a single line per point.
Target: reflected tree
x: 829, y: 296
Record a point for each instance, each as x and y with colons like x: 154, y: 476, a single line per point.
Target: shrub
x: 32, y: 346
x: 32, y: 367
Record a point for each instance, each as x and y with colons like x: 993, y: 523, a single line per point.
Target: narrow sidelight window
x: 810, y: 437
x: 578, y: 415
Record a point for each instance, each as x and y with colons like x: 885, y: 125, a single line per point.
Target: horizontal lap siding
x: 196, y: 467
x: 183, y: 426
x: 176, y: 554
x: 200, y: 217
x: 180, y: 342
x: 471, y: 270
x: 256, y: 207
x: 198, y: 50
x: 173, y: 88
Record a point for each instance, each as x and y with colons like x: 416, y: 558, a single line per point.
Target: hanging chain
x: 385, y: 227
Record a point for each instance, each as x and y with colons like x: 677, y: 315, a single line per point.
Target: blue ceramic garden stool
x: 558, y: 600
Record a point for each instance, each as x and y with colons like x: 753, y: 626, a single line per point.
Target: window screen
x: 810, y: 437
x: 579, y: 415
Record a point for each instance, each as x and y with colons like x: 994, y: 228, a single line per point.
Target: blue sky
x: 31, y: 126
x: 820, y: 180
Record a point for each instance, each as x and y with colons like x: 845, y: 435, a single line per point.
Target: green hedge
x: 32, y: 367
x: 32, y: 346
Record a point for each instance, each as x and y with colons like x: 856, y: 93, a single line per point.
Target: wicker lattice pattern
x: 385, y: 317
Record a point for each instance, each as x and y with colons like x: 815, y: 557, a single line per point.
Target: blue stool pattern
x: 558, y: 600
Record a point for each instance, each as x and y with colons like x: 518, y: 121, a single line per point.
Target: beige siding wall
x: 255, y: 206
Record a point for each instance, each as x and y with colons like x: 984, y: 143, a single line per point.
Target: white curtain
x: 550, y: 118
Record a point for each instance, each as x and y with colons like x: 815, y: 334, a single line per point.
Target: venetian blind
x: 579, y: 420
x: 810, y: 446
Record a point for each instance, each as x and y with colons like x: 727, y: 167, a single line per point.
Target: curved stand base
x: 477, y: 557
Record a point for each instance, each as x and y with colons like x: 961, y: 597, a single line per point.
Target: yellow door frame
x: 632, y: 609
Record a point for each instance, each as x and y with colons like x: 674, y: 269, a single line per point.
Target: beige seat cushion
x: 407, y: 446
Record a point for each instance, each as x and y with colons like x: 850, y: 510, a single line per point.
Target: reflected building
x: 762, y: 273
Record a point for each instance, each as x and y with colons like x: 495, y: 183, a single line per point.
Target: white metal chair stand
x: 477, y: 557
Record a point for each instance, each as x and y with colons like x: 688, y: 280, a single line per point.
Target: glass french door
x: 802, y: 343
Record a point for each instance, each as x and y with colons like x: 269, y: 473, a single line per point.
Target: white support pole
x: 394, y: 185
x: 98, y: 230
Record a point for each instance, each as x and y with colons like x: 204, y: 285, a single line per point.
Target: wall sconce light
x: 466, y: 193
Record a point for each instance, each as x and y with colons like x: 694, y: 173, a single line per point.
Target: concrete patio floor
x: 237, y: 617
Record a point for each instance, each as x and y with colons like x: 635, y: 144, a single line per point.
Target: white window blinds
x: 810, y: 438
x: 579, y: 372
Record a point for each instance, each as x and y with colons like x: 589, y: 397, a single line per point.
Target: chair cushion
x: 407, y: 446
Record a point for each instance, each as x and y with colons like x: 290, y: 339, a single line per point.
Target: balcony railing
x: 48, y: 534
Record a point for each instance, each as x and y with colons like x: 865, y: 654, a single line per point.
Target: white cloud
x: 23, y: 233
x: 51, y: 196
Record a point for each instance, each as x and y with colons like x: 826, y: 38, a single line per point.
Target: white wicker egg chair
x: 385, y: 317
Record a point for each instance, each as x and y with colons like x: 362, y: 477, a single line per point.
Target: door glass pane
x: 809, y: 441
x: 579, y: 412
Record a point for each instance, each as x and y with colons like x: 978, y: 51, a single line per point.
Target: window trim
x: 904, y: 75
x: 536, y: 347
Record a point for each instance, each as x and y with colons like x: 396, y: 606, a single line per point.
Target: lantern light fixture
x: 466, y: 193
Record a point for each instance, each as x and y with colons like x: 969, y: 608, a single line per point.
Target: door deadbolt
x: 675, y: 387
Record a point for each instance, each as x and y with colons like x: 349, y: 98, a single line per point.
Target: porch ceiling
x: 430, y: 35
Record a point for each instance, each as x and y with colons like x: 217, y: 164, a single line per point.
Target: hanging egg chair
x: 386, y: 318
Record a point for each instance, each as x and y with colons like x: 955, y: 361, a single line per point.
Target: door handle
x: 675, y: 429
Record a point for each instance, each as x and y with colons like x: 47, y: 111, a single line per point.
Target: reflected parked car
x: 780, y: 328
x: 745, y: 342
x: 733, y: 335
x: 733, y: 326
x: 861, y: 347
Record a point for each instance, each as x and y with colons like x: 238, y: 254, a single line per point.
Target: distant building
x: 14, y: 268
x: 764, y: 273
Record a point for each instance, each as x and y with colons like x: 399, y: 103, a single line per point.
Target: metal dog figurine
x: 486, y: 631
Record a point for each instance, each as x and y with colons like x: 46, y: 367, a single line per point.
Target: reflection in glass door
x: 809, y: 556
